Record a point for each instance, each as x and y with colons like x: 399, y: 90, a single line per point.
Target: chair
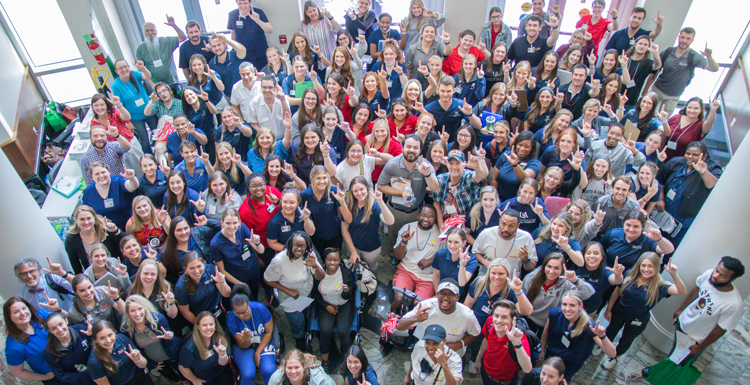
x: 555, y: 204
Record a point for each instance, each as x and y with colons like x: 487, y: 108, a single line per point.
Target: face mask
x: 390, y: 63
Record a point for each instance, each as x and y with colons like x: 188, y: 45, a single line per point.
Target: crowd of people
x: 516, y: 202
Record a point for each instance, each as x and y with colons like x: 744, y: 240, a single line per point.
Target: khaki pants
x: 668, y: 101
x: 388, y: 241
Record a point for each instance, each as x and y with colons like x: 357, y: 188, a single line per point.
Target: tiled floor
x: 727, y: 362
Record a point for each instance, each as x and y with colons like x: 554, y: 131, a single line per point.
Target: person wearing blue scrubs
x: 206, y: 364
x: 563, y: 154
x: 454, y: 262
x: 111, y: 196
x: 153, y: 183
x: 631, y: 240
x: 251, y: 325
x: 112, y: 348
x: 516, y: 165
x: 375, y: 91
x: 328, y: 207
x: 558, y: 237
x: 68, y: 351
x: 290, y: 219
x: 195, y: 169
x: 235, y: 252
x: 200, y: 288
x: 183, y: 130
x: 395, y: 72
x: 448, y: 111
x: 484, y: 214
x: 597, y: 274
x: 530, y: 207
x: 133, y: 254
x: 180, y: 200
x: 234, y: 131
x: 183, y: 239
x: 200, y: 111
x: 249, y: 26
x: 26, y: 339
x: 129, y: 87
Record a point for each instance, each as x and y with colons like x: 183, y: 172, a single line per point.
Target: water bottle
x: 409, y: 196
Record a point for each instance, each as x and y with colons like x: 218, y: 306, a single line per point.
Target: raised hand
x: 380, y: 113
x: 339, y: 194
x: 254, y: 238
x: 219, y: 278
x: 446, y: 37
x: 623, y: 59
x: 659, y: 19
x: 441, y: 356
x: 221, y: 350
x: 424, y: 166
x: 88, y: 328
x: 203, y: 95
x: 254, y: 16
x: 139, y: 63
x: 507, y: 67
x: 288, y: 169
x: 422, y: 312
x: 577, y: 159
x: 399, y: 70
x: 133, y: 354
x: 444, y: 136
x: 423, y: 69
x: 707, y: 51
x: 304, y: 212
x: 599, y: 214
x: 630, y: 143
x: 109, y: 225
x: 592, y: 58
x: 607, y: 108
x: 127, y: 173
x: 122, y: 269
x: 200, y: 220
x: 200, y: 204
x: 466, y: 108
x: 407, y: 235
x: 515, y: 335
x: 671, y: 268
x: 613, y: 13
x: 154, y: 97
x: 287, y: 121
x: 623, y: 99
x: 618, y: 268
x: 54, y: 268
x: 662, y: 155
x: 652, y: 233
x: 168, y: 296
x: 570, y: 275
x: 377, y: 194
x: 464, y: 258
x: 311, y: 261
x: 586, y: 129
x: 595, y: 84
x: 537, y: 208
x: 325, y: 148
x: 515, y: 283
x: 653, y: 188
x: 523, y: 254
x: 51, y: 304
x: 170, y: 21
x: 561, y: 241
x: 112, y: 292
x: 553, y: 22
x: 715, y: 105
x: 165, y: 334
x: 532, y: 82
x: 599, y: 330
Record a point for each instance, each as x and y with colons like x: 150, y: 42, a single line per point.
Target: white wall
x: 11, y: 78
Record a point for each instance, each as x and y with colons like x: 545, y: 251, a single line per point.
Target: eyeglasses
x: 444, y: 294
x: 246, y: 312
x: 256, y: 186
x: 164, y: 92
x: 465, y: 135
x: 28, y: 272
x: 298, y: 246
x: 496, y: 17
x: 431, y: 217
x: 120, y: 68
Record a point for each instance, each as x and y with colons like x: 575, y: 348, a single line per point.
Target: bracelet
x: 463, y: 344
x: 659, y: 240
x: 519, y: 346
x: 118, y: 135
x: 170, y: 303
x: 568, y: 249
x: 462, y: 266
x: 614, y: 18
x: 521, y: 293
x: 556, y: 27
x: 702, y: 172
x: 224, y: 356
x: 403, y: 244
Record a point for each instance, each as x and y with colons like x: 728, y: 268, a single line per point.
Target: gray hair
x: 247, y: 64
x: 26, y: 261
x: 148, y: 23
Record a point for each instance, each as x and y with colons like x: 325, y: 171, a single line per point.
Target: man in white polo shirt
x: 505, y: 241
x: 461, y: 326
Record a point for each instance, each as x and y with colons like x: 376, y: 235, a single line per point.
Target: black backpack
x: 57, y: 288
x: 534, y: 342
x: 690, y: 61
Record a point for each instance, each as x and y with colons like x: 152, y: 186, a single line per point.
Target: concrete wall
x: 675, y: 12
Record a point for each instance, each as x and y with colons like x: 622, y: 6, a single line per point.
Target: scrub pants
x: 622, y: 320
x: 296, y: 323
x: 245, y: 361
x: 342, y: 320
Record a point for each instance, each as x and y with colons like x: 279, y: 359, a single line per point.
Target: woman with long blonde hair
x: 483, y: 214
x: 148, y: 225
x: 88, y: 229
x: 328, y: 209
x: 380, y: 140
x: 557, y: 237
x: 205, y: 356
x: 585, y: 223
x: 149, y: 282
x: 547, y: 137
x: 418, y: 16
x: 368, y: 210
x: 630, y: 306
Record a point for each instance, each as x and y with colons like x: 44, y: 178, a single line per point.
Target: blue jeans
x: 142, y: 134
x: 245, y: 360
x: 296, y: 323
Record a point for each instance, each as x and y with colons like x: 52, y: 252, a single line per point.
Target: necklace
x: 509, y: 250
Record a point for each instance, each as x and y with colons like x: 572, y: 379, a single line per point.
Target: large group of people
x: 517, y: 203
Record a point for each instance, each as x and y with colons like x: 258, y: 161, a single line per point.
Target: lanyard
x: 509, y: 250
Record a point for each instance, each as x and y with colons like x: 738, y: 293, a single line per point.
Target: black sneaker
x: 645, y: 372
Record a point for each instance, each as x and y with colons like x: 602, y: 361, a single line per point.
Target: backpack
x: 57, y: 288
x: 534, y: 342
x: 690, y: 61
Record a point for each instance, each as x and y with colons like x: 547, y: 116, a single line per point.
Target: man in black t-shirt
x: 532, y: 47
x: 573, y: 96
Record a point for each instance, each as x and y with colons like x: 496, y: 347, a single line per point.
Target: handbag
x: 54, y: 118
x: 667, y: 372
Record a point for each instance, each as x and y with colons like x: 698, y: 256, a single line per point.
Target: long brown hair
x: 191, y: 286
x: 172, y: 197
x: 52, y: 343
x: 193, y: 79
x: 541, y: 275
x: 218, y: 338
x: 99, y: 223
x: 11, y: 329
x: 104, y: 357
x: 346, y: 69
x: 536, y: 106
x: 302, y: 117
x: 317, y: 155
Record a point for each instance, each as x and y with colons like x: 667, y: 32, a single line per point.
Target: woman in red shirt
x: 381, y: 141
x: 400, y: 119
x: 258, y: 209
x: 494, y: 360
x: 688, y: 126
x: 361, y: 118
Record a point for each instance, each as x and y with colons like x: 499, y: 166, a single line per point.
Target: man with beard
x: 156, y: 52
x: 459, y: 188
x: 533, y: 46
x: 620, y: 152
x: 461, y: 325
x: 505, y: 241
x: 417, y: 244
x: 625, y: 38
x: 43, y: 285
x: 103, y: 151
x: 196, y: 43
x: 574, y: 95
x: 711, y: 308
x: 617, y: 204
x: 226, y: 63
x: 404, y: 173
x: 678, y: 68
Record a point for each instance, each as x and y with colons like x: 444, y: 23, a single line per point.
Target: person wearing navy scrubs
x: 447, y: 110
x: 184, y: 238
x: 201, y: 114
x: 128, y: 372
x: 133, y: 253
x: 235, y: 252
x: 393, y: 80
x: 551, y: 157
x: 177, y: 183
x: 251, y: 325
x: 326, y: 203
x: 198, y: 180
x: 20, y: 316
x: 630, y: 241
x: 596, y: 273
x: 547, y: 245
x: 505, y: 174
x: 530, y: 220
x: 155, y: 189
x: 208, y: 286
x: 116, y: 204
x: 175, y: 139
x: 443, y: 265
x: 68, y: 359
x: 213, y: 369
x: 280, y: 228
x: 249, y: 26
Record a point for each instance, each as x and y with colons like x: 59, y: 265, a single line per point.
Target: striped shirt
x: 323, y: 34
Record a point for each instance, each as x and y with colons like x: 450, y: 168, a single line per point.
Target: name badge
x: 139, y: 102
x: 240, y: 23
x: 211, y: 210
x: 672, y: 145
x: 246, y: 255
x: 450, y: 209
x: 565, y: 341
x: 631, y: 84
x: 157, y: 63
x: 671, y: 194
x: 389, y: 83
x: 285, y: 229
x: 458, y: 90
x: 636, y: 323
x: 632, y: 41
x: 109, y: 203
x: 531, y: 50
x: 486, y: 309
x: 271, y: 207
x: 682, y: 63
x: 254, y: 340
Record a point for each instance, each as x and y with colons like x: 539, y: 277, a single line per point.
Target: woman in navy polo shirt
x: 328, y: 207
x: 234, y: 131
x: 374, y: 91
x: 516, y: 165
x: 204, y: 358
x: 26, y: 339
x: 200, y: 288
x: 111, y: 196
x: 68, y: 350
x: 114, y: 360
x: 235, y: 251
x: 453, y: 261
x: 630, y: 306
x: 200, y: 111
x: 179, y: 198
x: 251, y: 325
x: 153, y: 183
x: 571, y: 335
x: 598, y: 275
x: 564, y: 154
x: 558, y: 237
x: 390, y: 70
x: 149, y: 330
x: 632, y: 239
x: 231, y: 165
x: 194, y: 168
x: 290, y: 219
x: 183, y: 238
x: 645, y: 188
x: 368, y: 210
x: 533, y: 212
x: 483, y: 214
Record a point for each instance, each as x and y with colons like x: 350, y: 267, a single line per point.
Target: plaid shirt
x: 112, y: 158
x: 467, y: 192
x: 159, y: 109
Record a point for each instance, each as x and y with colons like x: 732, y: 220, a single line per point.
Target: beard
x: 718, y: 284
x: 152, y: 43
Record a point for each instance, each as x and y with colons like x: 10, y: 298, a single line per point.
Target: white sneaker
x: 472, y: 368
x: 597, y: 350
x: 609, y: 363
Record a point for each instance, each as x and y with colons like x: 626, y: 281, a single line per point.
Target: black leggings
x: 225, y: 377
x: 622, y: 320
x: 342, y: 320
x: 322, y: 244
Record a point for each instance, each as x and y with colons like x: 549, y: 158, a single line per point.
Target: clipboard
x: 300, y: 88
x: 523, y: 102
x: 630, y: 128
x: 67, y: 185
x: 564, y: 76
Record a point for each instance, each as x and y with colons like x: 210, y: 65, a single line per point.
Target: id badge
x: 631, y: 84
x: 271, y: 207
x: 671, y: 194
x: 285, y: 229
x: 458, y: 90
x: 109, y: 203
x: 672, y: 145
x: 389, y: 83
x: 254, y: 340
x: 240, y: 23
x: 450, y: 209
x: 636, y: 323
x: 211, y: 210
x: 139, y: 102
x: 486, y: 309
x: 565, y: 341
x: 531, y: 49
x: 246, y: 255
x: 157, y: 63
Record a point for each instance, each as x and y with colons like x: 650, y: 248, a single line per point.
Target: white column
x: 24, y: 230
x: 720, y: 229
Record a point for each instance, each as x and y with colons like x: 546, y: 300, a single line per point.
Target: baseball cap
x: 434, y: 333
x: 449, y: 284
x: 456, y: 154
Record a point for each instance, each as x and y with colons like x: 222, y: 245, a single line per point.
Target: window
x: 69, y: 86
x: 398, y: 9
x: 156, y: 12
x: 215, y: 15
